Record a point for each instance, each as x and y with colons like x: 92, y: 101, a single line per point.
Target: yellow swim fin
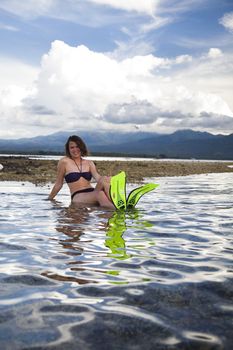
x: 137, y: 193
x: 117, y: 190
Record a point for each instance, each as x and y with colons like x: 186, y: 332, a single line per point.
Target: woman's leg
x: 104, y: 201
x: 104, y: 185
x: 86, y: 198
x: 97, y: 197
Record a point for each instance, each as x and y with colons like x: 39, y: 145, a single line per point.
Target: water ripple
x: 158, y: 277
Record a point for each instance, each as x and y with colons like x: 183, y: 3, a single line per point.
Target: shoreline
x: 37, y: 171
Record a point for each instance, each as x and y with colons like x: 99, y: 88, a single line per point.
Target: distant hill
x: 180, y: 144
x: 54, y: 143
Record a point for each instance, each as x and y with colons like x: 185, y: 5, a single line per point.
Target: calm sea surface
x: 108, y: 158
x: 157, y: 277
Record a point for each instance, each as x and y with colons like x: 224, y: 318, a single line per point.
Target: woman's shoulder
x: 64, y: 160
x: 88, y: 162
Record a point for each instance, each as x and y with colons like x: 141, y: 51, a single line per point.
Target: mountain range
x: 180, y: 144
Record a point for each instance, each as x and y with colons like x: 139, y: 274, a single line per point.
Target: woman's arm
x: 94, y: 171
x: 59, y: 180
x: 103, y: 182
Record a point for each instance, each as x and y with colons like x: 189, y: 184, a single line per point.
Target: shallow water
x: 159, y: 277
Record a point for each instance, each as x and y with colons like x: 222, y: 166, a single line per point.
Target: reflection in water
x: 159, y: 277
x: 71, y: 222
x: 74, y: 222
x: 118, y: 223
x: 114, y: 235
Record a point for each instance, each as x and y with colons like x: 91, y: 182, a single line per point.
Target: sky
x: 123, y: 65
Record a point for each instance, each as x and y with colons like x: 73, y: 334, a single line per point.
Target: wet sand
x: 43, y: 171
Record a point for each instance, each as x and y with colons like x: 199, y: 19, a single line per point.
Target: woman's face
x: 74, y: 149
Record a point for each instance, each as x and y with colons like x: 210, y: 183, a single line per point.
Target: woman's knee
x: 103, y: 181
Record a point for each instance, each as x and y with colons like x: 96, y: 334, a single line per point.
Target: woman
x: 78, y: 172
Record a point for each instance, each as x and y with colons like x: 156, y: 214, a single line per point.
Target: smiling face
x: 74, y: 150
x: 75, y: 147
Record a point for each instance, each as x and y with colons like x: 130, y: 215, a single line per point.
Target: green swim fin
x: 137, y: 193
x: 117, y: 190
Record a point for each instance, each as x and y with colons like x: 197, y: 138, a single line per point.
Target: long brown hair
x: 79, y: 142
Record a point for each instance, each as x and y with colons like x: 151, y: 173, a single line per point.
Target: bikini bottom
x: 90, y: 189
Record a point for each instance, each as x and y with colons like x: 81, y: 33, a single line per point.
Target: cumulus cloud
x: 205, y: 121
x: 14, y: 72
x: 90, y: 88
x: 77, y: 88
x: 214, y: 53
x: 11, y: 111
x: 16, y: 84
x: 136, y: 111
x: 227, y: 21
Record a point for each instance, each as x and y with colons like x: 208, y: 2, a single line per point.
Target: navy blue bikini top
x: 75, y: 176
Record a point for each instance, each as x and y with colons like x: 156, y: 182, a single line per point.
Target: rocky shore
x: 39, y: 171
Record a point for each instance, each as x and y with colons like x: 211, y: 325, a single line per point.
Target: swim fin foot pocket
x: 117, y: 190
x: 137, y: 193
